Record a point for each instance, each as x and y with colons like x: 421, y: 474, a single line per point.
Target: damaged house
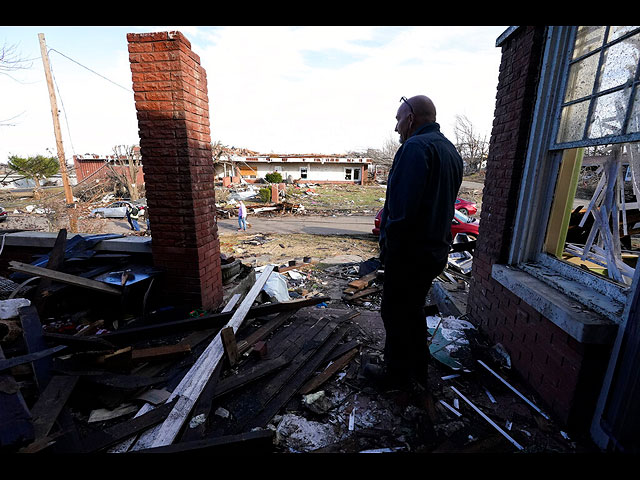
x: 299, y: 168
x: 555, y: 279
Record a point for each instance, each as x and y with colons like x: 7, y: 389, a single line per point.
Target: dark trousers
x: 404, y: 295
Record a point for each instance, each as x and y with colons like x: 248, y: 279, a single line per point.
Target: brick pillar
x: 170, y: 89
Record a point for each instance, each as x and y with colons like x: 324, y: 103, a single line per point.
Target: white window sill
x: 580, y: 322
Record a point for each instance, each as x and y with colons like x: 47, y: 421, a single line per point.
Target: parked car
x: 113, y: 210
x: 466, y: 207
x: 3, y: 215
x: 118, y: 209
x: 460, y: 223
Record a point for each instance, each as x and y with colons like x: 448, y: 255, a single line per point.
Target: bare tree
x: 472, y: 146
x: 10, y: 61
x: 125, y: 167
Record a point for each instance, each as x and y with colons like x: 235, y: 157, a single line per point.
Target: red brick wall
x: 170, y: 89
x: 565, y: 373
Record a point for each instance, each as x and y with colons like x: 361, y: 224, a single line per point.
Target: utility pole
x: 56, y: 122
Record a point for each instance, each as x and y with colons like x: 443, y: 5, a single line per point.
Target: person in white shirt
x: 242, y: 217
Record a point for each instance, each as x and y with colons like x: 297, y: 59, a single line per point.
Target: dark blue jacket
x: 422, y: 187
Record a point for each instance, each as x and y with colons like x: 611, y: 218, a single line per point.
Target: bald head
x: 423, y: 109
x: 412, y: 114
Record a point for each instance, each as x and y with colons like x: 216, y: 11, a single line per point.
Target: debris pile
x: 72, y: 383
x: 277, y: 369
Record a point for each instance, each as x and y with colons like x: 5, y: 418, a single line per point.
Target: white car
x: 114, y: 210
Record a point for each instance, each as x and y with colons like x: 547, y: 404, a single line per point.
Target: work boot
x: 381, y: 378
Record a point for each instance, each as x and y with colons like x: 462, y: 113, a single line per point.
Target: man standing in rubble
x: 415, y: 238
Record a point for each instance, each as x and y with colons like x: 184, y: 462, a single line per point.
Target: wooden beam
x: 230, y: 346
x: 79, y: 342
x: 55, y: 262
x: 563, y: 201
x: 163, y: 352
x: 216, y: 320
x: 364, y: 281
x: 64, y: 278
x: 16, y: 425
x: 302, y: 367
x: 103, y: 439
x: 264, y: 331
x: 32, y: 332
x: 7, y: 363
x: 196, y: 379
x: 235, y: 382
x: 243, y: 443
x: 328, y: 372
x: 50, y: 403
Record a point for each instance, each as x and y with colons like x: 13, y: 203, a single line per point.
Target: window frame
x: 607, y: 139
x: 540, y: 172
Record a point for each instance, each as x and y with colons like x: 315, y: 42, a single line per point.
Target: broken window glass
x: 600, y: 100
x: 595, y: 218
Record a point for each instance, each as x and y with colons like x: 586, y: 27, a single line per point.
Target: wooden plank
x: 563, y: 201
x: 363, y: 281
x: 55, y: 262
x: 51, y: 402
x: 328, y: 372
x: 30, y: 357
x: 363, y: 293
x: 196, y: 379
x: 164, y: 352
x: 32, y: 332
x: 81, y: 343
x: 293, y: 267
x: 229, y: 345
x: 264, y: 331
x: 16, y: 425
x: 218, y: 320
x: 107, y: 437
x: 310, y: 360
x: 119, y: 359
x: 204, y: 404
x: 64, y: 278
x: 237, y: 381
x: 243, y: 443
x: 202, y: 407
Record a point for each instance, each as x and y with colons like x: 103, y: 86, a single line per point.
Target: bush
x: 274, y: 177
x: 265, y: 194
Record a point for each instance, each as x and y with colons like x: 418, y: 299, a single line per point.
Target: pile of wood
x: 160, y: 386
x: 231, y: 211
x: 363, y: 286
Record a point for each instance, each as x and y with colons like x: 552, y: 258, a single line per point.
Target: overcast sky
x: 274, y: 89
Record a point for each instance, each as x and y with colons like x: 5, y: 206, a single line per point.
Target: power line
x: 92, y: 71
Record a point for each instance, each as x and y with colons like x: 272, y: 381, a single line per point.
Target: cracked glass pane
x: 581, y: 78
x: 572, y: 122
x: 617, y: 32
x: 620, y: 63
x: 608, y: 114
x: 587, y: 40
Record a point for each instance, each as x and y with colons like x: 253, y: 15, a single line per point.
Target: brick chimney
x: 170, y: 91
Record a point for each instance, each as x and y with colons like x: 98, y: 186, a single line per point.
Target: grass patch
x: 339, y: 197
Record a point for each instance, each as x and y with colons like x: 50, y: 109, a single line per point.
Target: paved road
x: 318, y: 225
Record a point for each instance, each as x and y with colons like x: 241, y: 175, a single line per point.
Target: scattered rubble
x: 276, y: 369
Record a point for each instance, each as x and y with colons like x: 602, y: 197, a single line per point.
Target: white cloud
x: 270, y: 88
